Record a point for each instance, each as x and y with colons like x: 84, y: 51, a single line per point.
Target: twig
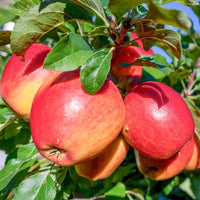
x: 188, y: 91
x: 92, y: 198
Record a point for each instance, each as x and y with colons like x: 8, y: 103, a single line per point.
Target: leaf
x: 95, y: 6
x: 196, y: 116
x: 177, y: 75
x: 196, y: 10
x: 4, y: 37
x: 8, y: 172
x: 164, y: 39
x: 6, y: 16
x: 38, y: 186
x: 75, y: 51
x: 138, y: 62
x: 119, y: 190
x: 158, y: 60
x: 21, y: 159
x: 184, y: 2
x: 186, y: 187
x: 171, y: 17
x: 23, y: 153
x: 95, y: 70
x: 195, y: 180
x: 101, y: 30
x: 118, y: 7
x: 22, y: 6
x: 151, y: 73
x: 40, y: 20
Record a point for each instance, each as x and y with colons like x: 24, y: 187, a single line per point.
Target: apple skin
x: 128, y: 54
x: 158, y: 122
x: 106, y: 163
x: 68, y: 125
x: 194, y: 162
x: 21, y: 79
x: 165, y: 168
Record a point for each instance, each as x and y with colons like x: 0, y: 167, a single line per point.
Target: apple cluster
x: 95, y: 132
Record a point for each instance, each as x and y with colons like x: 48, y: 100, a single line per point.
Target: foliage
x: 87, y: 31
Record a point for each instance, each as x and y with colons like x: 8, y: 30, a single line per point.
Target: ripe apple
x: 106, y: 163
x: 158, y: 122
x: 165, y: 168
x: 127, y: 54
x: 195, y: 159
x: 69, y: 125
x: 21, y: 79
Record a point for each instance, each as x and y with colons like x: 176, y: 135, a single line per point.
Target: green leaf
x: 184, y: 2
x: 195, y: 180
x: 95, y: 70
x: 23, y: 153
x: 95, y: 6
x: 40, y: 20
x: 4, y: 37
x: 164, y: 39
x: 119, y: 190
x: 17, y: 161
x: 196, y: 10
x: 158, y: 60
x: 75, y: 51
x: 196, y: 116
x: 101, y: 30
x: 118, y: 7
x: 9, y: 171
x: 22, y: 6
x: 177, y: 75
x: 171, y: 17
x: 6, y: 16
x: 38, y: 186
x: 152, y: 74
x: 186, y: 187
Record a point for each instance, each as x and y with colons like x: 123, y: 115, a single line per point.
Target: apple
x: 195, y: 159
x: 165, y: 168
x: 106, y: 163
x: 21, y: 79
x: 68, y: 125
x: 128, y: 54
x: 158, y: 122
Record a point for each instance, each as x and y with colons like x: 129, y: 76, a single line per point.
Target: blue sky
x: 190, y: 14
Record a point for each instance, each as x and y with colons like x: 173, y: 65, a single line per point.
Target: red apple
x: 21, y: 79
x: 158, y: 122
x: 69, y: 125
x: 167, y: 168
x: 106, y: 163
x: 195, y: 159
x: 128, y: 54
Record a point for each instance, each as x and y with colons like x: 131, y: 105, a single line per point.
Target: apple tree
x: 105, y: 41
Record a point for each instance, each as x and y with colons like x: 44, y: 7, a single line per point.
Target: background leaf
x: 171, y: 17
x: 184, y: 2
x: 40, y: 20
x: 5, y: 37
x: 20, y: 7
x: 5, y: 16
x: 118, y: 8
x: 117, y: 191
x: 95, y: 70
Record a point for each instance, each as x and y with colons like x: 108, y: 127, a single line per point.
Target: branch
x: 188, y: 91
x: 92, y: 198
